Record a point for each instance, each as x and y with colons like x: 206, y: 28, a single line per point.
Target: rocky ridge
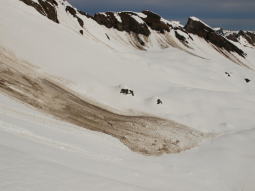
x: 235, y: 36
x: 140, y: 26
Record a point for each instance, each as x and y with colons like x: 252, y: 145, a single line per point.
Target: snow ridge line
x: 29, y: 135
x: 62, y: 127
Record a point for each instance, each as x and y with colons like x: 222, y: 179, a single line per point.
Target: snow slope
x: 180, y: 80
x: 55, y: 156
x: 191, y: 82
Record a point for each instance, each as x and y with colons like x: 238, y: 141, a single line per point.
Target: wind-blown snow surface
x: 38, y: 154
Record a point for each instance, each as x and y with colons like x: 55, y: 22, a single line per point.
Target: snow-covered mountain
x: 246, y: 38
x: 144, y: 30
x: 65, y: 111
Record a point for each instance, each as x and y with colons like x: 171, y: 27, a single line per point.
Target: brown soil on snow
x: 142, y: 134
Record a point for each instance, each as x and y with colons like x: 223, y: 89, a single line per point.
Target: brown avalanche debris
x: 146, y: 135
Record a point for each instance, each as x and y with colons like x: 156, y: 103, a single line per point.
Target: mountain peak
x: 199, y: 28
x: 139, y: 26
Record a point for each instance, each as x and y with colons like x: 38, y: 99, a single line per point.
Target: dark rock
x: 85, y: 14
x: 128, y: 24
x: 227, y: 74
x: 207, y: 33
x: 109, y: 20
x: 153, y: 21
x: 46, y: 8
x: 159, y: 101
x: 125, y: 91
x: 248, y: 36
x: 53, y: 2
x: 49, y: 10
x: 220, y: 32
x: 107, y: 36
x: 181, y: 38
x: 252, y: 36
x: 73, y: 12
x: 81, y: 31
x: 247, y: 80
x: 232, y: 37
x: 80, y: 21
x: 183, y: 30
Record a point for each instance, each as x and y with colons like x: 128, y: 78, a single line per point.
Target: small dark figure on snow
x: 107, y: 36
x: 159, y: 101
x: 247, y: 80
x: 126, y: 91
x: 227, y: 74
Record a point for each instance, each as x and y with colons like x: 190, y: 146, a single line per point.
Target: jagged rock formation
x: 250, y: 37
x: 154, y: 22
x: 232, y: 37
x: 143, y: 28
x: 46, y: 8
x: 126, y: 23
x: 197, y: 27
x: 73, y: 12
x: 235, y: 36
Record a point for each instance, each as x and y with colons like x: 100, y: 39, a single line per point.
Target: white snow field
x: 38, y: 152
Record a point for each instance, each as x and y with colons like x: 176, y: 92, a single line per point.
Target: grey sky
x: 229, y: 14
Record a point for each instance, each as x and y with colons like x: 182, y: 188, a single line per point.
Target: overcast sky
x: 228, y: 14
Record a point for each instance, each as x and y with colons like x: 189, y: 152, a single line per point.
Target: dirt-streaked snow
x: 39, y: 153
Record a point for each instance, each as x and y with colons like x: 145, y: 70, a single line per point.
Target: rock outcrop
x: 46, y: 8
x: 235, y: 36
x: 140, y: 26
x: 200, y: 29
x: 73, y: 12
x: 154, y: 22
x: 126, y: 23
x: 232, y: 37
x: 250, y: 37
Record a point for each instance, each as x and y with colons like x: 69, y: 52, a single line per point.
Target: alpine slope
x: 123, y: 101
